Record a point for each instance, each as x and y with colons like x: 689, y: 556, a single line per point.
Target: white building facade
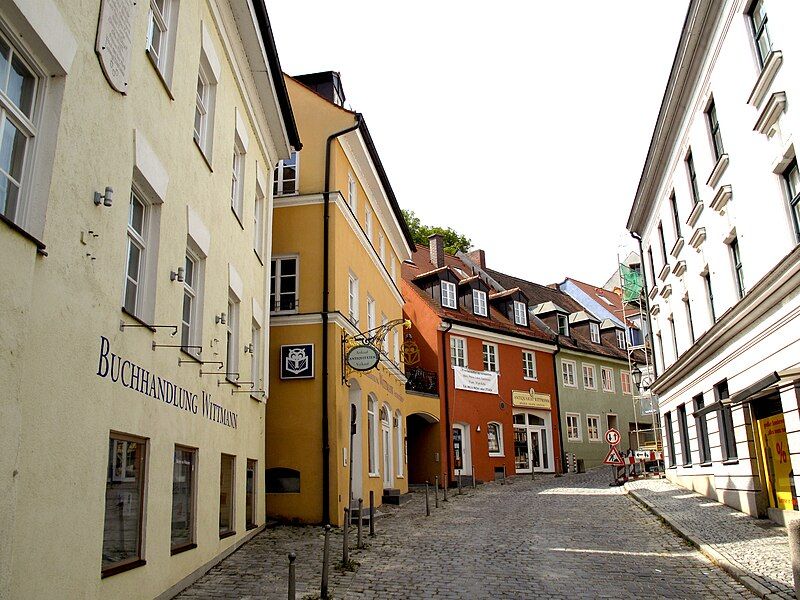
x: 137, y: 144
x: 718, y: 215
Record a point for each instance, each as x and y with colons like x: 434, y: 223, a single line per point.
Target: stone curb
x: 713, y: 555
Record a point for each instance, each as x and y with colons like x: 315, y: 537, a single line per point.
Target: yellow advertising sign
x: 530, y: 399
x: 775, y: 457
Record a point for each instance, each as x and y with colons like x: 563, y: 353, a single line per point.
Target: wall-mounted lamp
x: 478, y: 428
x: 173, y: 275
x: 220, y: 318
x: 104, y: 199
x: 248, y: 348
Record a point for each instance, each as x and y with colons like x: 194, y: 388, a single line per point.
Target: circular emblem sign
x: 613, y: 437
x: 363, y: 358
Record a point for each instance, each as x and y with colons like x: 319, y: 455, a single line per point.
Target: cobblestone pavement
x: 569, y: 537
x: 757, y: 548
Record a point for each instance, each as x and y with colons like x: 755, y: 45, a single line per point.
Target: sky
x: 523, y: 125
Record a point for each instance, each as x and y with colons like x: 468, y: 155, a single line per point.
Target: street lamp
x: 636, y: 373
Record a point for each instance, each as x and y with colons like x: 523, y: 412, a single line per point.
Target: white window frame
x: 258, y: 222
x: 594, y: 332
x: 520, y: 313
x: 276, y: 278
x: 596, y: 437
x: 237, y: 179
x: 625, y: 376
x: 352, y: 298
x: 165, y: 21
x: 352, y: 193
x: 529, y: 365
x: 577, y: 426
x: 621, y: 339
x: 479, y: 303
x: 586, y: 369
x: 568, y: 373
x: 205, y: 101
x: 232, y: 338
x: 385, y: 343
x: 400, y: 443
x: 372, y: 436
x: 371, y: 316
x: 500, y: 451
x: 279, y: 179
x: 491, y: 358
x: 368, y: 222
x: 138, y: 239
x: 195, y: 290
x: 255, y: 355
x: 565, y: 319
x: 396, y: 340
x: 449, y: 297
x: 393, y: 268
x: 458, y: 351
x: 382, y: 247
x: 609, y: 372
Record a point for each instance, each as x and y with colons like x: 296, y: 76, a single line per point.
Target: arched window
x: 372, y: 435
x: 400, y: 443
x: 494, y: 431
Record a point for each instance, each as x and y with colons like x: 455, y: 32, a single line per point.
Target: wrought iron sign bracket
x: 183, y: 361
x: 198, y: 348
x: 372, y: 337
x: 123, y: 326
x: 227, y: 381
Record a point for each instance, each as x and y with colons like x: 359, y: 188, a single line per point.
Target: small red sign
x: 613, y: 437
x: 614, y: 457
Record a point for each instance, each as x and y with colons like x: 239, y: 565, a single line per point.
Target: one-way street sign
x: 614, y: 457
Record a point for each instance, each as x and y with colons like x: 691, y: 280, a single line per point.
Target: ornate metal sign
x: 363, y: 357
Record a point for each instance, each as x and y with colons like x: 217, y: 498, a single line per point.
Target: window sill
x: 160, y: 75
x: 574, y: 440
x: 138, y: 319
x: 233, y: 382
x: 226, y: 534
x: 731, y: 461
x: 496, y: 455
x: 251, y: 526
x: 192, y: 356
x: 689, y: 466
x: 278, y: 313
x: 238, y: 218
x: 673, y: 467
x: 765, y: 77
x: 531, y: 378
x: 697, y: 210
x: 718, y: 170
x: 40, y: 246
x: 707, y: 464
x: 255, y: 398
x: 374, y: 475
x: 122, y: 568
x: 181, y: 549
x: 203, y: 154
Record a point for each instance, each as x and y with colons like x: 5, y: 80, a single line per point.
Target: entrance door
x: 462, y: 464
x: 531, y: 443
x: 388, y: 471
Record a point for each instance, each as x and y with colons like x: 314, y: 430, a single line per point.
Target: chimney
x: 436, y: 244
x: 478, y: 257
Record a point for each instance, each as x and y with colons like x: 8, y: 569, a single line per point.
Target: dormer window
x: 479, y: 302
x: 621, y: 339
x: 449, y: 294
x: 520, y: 313
x: 594, y: 330
x: 563, y: 325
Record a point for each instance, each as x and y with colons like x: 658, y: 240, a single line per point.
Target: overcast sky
x: 521, y: 124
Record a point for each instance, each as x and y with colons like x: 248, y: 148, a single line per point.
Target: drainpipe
x: 448, y: 433
x: 558, y: 412
x: 638, y: 238
x: 326, y: 447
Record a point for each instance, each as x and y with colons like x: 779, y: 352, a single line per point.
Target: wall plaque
x: 297, y: 361
x: 115, y: 40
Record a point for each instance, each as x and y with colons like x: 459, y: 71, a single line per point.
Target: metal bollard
x: 292, y: 557
x: 459, y: 484
x: 473, y: 477
x: 794, y: 550
x: 345, y: 541
x: 503, y: 478
x: 427, y: 502
x: 371, y: 514
x: 360, y: 543
x: 444, y: 489
x: 323, y: 592
x: 436, y: 492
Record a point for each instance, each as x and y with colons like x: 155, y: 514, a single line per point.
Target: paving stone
x: 569, y: 537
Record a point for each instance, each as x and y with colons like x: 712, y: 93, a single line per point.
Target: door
x: 386, y: 438
x: 522, y: 454
x: 462, y: 461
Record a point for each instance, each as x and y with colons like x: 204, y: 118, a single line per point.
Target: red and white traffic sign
x: 614, y: 457
x: 613, y: 437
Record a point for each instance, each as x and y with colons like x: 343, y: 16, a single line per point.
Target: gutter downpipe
x: 561, y: 454
x: 448, y: 433
x: 326, y: 447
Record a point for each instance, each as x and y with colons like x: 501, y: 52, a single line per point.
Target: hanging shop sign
x: 475, y: 381
x: 135, y: 377
x: 363, y: 357
x: 115, y: 41
x: 297, y: 361
x: 530, y: 399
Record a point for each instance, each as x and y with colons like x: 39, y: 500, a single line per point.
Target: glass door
x: 522, y: 453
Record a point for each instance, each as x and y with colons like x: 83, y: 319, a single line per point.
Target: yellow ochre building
x: 338, y: 242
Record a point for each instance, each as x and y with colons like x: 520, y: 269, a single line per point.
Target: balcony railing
x: 422, y: 381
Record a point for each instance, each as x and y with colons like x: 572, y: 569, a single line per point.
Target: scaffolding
x: 645, y: 403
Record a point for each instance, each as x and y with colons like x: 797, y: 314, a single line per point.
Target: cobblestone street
x: 571, y: 537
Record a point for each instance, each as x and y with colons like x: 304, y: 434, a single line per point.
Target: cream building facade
x: 138, y: 145
x: 718, y: 212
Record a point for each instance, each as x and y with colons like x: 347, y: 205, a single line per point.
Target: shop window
x: 183, y: 492
x: 226, y: 486
x: 124, y: 504
x: 283, y: 284
x: 282, y: 480
x: 286, y: 176
x: 494, y: 432
x: 250, y: 494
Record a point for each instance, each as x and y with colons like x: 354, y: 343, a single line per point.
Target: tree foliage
x: 453, y: 241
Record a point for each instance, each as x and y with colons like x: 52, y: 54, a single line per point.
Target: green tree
x: 453, y: 241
